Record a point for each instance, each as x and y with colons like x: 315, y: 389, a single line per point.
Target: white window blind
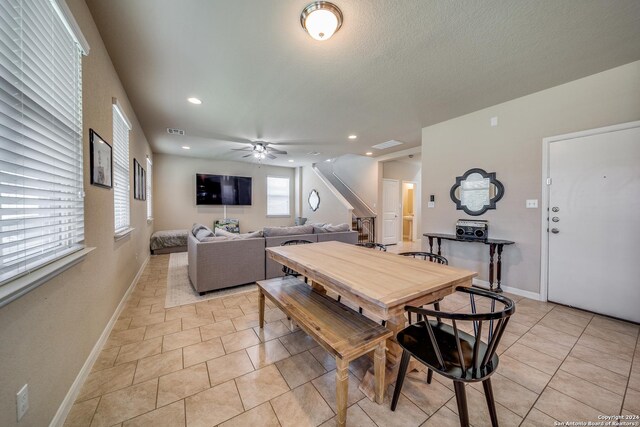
x: 149, y: 188
x: 121, y: 198
x: 41, y: 192
x: 278, y: 196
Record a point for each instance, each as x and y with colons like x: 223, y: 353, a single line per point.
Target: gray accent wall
x: 513, y: 150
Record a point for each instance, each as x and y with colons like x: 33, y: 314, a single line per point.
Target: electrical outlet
x: 532, y: 204
x: 494, y: 121
x: 431, y: 204
x: 22, y: 401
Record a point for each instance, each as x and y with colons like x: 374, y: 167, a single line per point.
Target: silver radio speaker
x: 472, y: 229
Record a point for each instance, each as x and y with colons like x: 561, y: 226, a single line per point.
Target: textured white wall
x: 175, y: 201
x: 513, y: 150
x: 47, y: 335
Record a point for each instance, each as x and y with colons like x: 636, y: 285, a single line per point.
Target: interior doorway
x: 409, y: 204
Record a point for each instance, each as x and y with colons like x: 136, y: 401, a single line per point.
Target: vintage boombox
x: 472, y: 229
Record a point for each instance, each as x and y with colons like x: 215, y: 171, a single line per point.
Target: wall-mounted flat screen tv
x: 223, y: 190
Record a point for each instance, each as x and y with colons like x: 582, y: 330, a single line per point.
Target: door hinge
x: 548, y: 181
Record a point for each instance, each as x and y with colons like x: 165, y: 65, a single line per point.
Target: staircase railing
x: 366, y: 228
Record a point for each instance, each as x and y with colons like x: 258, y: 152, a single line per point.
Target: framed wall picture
x: 101, y: 161
x: 139, y: 181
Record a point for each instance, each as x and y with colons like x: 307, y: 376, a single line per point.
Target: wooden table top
x: 380, y: 278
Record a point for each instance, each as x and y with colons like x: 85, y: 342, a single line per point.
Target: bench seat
x: 341, y: 331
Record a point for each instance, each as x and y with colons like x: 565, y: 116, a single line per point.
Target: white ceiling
x: 393, y: 68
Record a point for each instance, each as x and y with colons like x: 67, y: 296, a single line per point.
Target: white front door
x: 594, y: 223
x: 390, y: 210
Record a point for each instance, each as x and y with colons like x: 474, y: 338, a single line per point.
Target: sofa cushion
x: 335, y: 228
x: 224, y: 233
x: 287, y: 231
x: 328, y: 228
x: 214, y: 239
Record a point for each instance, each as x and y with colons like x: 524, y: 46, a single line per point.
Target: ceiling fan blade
x: 242, y: 149
x: 271, y: 156
x: 247, y: 155
x: 276, y: 151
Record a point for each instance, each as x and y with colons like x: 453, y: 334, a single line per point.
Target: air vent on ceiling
x: 173, y: 131
x: 313, y: 153
x: 387, y: 144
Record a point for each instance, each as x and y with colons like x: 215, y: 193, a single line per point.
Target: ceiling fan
x: 261, y: 150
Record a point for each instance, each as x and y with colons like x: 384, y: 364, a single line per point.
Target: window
x: 278, y: 196
x: 121, y: 196
x: 41, y: 180
x: 149, y: 188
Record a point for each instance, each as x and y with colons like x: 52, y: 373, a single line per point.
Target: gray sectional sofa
x: 221, y: 261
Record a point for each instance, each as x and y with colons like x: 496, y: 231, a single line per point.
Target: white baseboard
x: 72, y: 394
x: 515, y: 291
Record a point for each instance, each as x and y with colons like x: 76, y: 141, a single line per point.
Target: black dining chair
x: 286, y: 270
x: 449, y: 351
x: 371, y: 245
x: 427, y: 256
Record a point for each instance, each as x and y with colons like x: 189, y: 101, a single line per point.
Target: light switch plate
x: 532, y: 204
x: 431, y: 204
x: 494, y: 121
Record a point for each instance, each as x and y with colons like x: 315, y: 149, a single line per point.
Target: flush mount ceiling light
x: 185, y: 147
x: 321, y: 19
x: 194, y: 101
x: 353, y: 136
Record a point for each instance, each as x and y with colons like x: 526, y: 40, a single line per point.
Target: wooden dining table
x: 381, y: 283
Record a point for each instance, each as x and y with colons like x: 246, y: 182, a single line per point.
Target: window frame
x: 288, y: 178
x: 122, y: 230
x: 22, y: 282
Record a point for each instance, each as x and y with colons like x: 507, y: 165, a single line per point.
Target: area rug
x: 180, y: 291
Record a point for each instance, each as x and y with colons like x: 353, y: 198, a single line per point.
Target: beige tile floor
x: 208, y: 364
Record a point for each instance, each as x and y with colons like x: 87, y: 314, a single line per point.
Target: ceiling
x: 392, y: 69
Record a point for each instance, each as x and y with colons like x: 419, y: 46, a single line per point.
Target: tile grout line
x: 556, y: 371
x: 626, y: 389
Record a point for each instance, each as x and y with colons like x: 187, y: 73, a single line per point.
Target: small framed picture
x: 139, y: 181
x: 101, y: 161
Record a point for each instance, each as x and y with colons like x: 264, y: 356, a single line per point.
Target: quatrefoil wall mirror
x: 476, y: 191
x: 314, y: 200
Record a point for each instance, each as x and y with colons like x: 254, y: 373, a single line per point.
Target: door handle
x: 555, y: 230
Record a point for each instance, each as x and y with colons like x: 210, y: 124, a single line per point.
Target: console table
x: 495, y: 245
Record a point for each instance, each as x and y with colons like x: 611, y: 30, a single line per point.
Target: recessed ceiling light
x: 290, y: 160
x: 185, y: 147
x: 328, y: 160
x: 368, y: 153
x: 321, y: 19
x: 194, y: 101
x: 353, y: 136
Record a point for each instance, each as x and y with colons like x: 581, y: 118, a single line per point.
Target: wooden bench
x: 341, y: 331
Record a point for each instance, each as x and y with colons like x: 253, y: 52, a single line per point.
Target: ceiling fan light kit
x: 321, y: 19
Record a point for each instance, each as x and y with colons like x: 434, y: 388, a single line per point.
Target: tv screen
x: 223, y: 190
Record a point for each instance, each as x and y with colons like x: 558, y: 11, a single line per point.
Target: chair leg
x: 360, y: 310
x: 488, y: 392
x: 461, y: 399
x: 429, y: 376
x: 409, y: 315
x: 436, y: 305
x: 339, y: 298
x: 402, y: 371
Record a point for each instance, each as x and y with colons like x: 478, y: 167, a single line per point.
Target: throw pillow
x: 319, y: 230
x: 204, y: 232
x: 221, y: 232
x: 196, y: 227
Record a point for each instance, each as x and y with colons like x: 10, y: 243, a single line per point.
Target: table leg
x: 318, y: 287
x: 342, y: 389
x: 492, y: 250
x: 379, y: 366
x: 430, y: 243
x: 261, y: 308
x: 499, y: 268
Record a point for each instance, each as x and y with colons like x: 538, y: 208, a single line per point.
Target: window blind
x: 41, y: 186
x: 121, y: 198
x: 277, y: 196
x: 149, y: 188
